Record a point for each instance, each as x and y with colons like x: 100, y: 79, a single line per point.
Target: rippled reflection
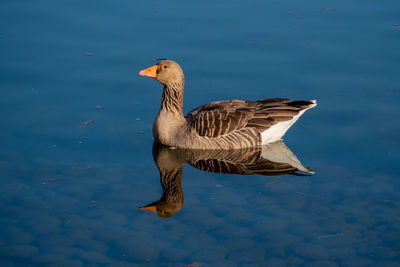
x: 273, y: 159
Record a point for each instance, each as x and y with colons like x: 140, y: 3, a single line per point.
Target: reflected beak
x: 150, y: 72
x: 150, y: 207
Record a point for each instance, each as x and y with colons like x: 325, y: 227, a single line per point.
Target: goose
x: 227, y: 124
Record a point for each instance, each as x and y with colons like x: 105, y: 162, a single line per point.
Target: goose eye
x: 165, y: 66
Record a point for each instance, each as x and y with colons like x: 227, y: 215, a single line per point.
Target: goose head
x: 167, y: 72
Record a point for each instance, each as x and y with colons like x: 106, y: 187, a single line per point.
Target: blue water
x: 70, y: 190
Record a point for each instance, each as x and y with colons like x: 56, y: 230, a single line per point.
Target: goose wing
x: 222, y: 117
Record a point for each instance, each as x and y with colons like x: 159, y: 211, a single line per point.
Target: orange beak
x: 150, y: 72
x: 152, y: 208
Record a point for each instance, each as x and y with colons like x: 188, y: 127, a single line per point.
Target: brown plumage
x: 231, y: 124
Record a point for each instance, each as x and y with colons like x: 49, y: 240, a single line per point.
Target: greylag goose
x: 229, y: 124
x: 269, y: 160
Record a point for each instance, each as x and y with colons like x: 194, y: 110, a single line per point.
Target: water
x: 70, y: 192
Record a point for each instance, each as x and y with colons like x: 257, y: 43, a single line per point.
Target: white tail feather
x: 275, y: 132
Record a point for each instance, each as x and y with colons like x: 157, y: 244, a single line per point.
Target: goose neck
x: 172, y: 98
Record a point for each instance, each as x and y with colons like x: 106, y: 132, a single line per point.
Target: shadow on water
x: 270, y: 160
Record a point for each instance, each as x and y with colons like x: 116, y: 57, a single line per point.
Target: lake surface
x: 76, y: 144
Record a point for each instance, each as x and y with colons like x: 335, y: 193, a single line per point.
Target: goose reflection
x: 270, y: 160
